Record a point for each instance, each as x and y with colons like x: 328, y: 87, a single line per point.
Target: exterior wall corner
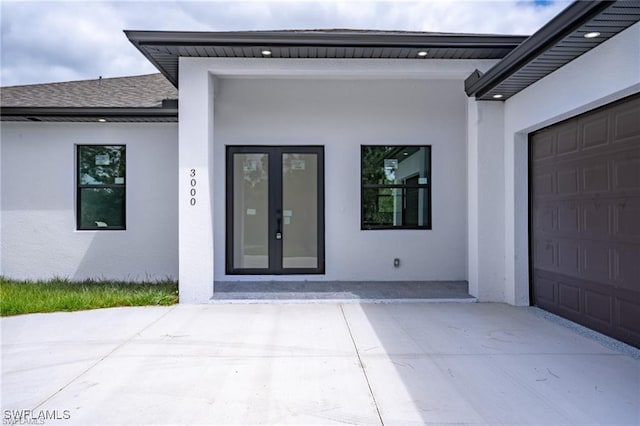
x: 486, y: 200
x: 472, y: 197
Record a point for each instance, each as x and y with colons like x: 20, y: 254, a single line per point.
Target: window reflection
x: 396, y: 187
x: 101, y: 187
x: 101, y: 165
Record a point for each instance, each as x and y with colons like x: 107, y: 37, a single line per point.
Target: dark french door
x: 275, y: 210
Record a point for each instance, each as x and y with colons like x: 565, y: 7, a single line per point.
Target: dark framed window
x: 101, y: 197
x: 395, y: 187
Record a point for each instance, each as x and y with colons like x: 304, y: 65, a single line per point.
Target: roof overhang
x: 164, y: 48
x: 553, y: 46
x: 91, y: 115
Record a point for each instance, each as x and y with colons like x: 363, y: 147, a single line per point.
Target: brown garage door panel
x: 609, y: 310
x: 569, y: 298
x: 596, y: 218
x: 599, y: 307
x: 626, y: 121
x: 595, y: 130
x: 629, y: 316
x: 585, y: 219
x: 626, y: 173
x: 627, y: 219
x: 546, y: 291
x: 627, y: 258
x: 597, y: 261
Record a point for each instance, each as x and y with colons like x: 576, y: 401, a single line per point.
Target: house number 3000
x: 192, y: 187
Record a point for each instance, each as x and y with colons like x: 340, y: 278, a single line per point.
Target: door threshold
x: 341, y: 291
x: 219, y: 301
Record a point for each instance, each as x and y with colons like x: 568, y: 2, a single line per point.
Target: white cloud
x: 61, y: 41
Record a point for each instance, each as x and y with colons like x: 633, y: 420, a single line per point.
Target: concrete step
x: 344, y: 291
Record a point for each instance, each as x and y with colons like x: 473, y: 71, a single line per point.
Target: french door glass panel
x: 251, y: 210
x: 275, y: 203
x: 299, y: 210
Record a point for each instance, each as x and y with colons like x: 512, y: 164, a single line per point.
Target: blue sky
x: 49, y: 41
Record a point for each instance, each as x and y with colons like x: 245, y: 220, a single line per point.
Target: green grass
x: 25, y: 297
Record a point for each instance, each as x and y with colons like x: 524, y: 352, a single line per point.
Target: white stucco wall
x: 339, y: 105
x: 196, y: 122
x: 341, y: 115
x: 38, y: 192
x: 486, y: 255
x: 609, y: 72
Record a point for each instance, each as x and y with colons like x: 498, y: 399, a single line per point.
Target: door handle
x: 278, y: 229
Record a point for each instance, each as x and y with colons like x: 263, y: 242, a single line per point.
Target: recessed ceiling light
x: 498, y: 96
x: 102, y: 120
x: 266, y: 52
x: 592, y: 34
x: 423, y: 53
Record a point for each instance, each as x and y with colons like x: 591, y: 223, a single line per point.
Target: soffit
x: 164, y: 48
x: 553, y: 46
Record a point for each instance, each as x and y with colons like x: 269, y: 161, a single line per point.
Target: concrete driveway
x: 392, y: 364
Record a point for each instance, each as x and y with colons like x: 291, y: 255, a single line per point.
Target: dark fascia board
x: 559, y: 27
x: 137, y: 38
x: 89, y: 112
x: 318, y: 38
x: 471, y: 80
x: 143, y: 40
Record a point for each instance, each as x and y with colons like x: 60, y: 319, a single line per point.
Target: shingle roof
x: 144, y: 91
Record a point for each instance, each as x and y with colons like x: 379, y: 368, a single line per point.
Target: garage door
x: 585, y: 219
